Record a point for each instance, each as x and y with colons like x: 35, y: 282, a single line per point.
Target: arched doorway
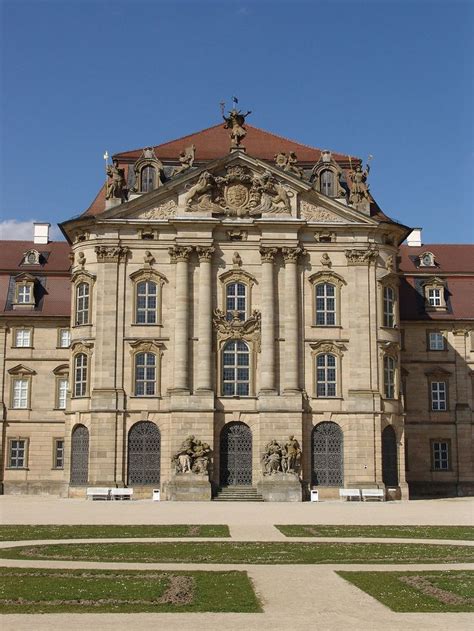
x: 327, y: 467
x: 236, y: 455
x: 79, y: 455
x: 389, y: 457
x: 144, y: 447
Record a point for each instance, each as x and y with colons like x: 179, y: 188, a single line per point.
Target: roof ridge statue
x: 235, y: 121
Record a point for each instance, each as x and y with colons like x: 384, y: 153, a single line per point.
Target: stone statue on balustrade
x: 116, y: 187
x: 360, y: 188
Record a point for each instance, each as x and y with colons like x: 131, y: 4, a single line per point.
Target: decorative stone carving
x: 325, y: 237
x: 81, y: 235
x: 237, y: 329
x: 326, y: 260
x: 328, y: 346
x: 205, y: 254
x: 148, y: 158
x: 82, y: 347
x: 116, y: 187
x: 235, y: 121
x: 163, y: 211
x: 390, y: 264
x: 292, y: 254
x: 278, y: 458
x: 81, y: 259
x: 362, y: 257
x: 288, y: 162
x: 237, y: 235
x: 148, y: 259
x: 238, y: 193
x: 268, y: 254
x: 179, y: 253
x: 389, y: 348
x: 111, y: 254
x: 236, y: 260
x: 186, y: 158
x: 311, y: 212
x: 146, y: 346
x: 327, y: 163
x: 192, y: 457
x: 359, y: 189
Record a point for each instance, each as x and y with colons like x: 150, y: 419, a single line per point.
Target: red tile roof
x: 57, y: 259
x: 214, y: 142
x: 449, y: 258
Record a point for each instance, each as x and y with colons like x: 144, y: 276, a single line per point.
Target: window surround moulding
x: 253, y: 343
x: 324, y: 347
x: 10, y: 439
x: 421, y: 257
x: 55, y: 440
x: 450, y: 459
x: 444, y: 333
x: 330, y: 277
x: 237, y: 276
x: 434, y: 282
x: 24, y: 280
x: 14, y: 331
x: 148, y: 274
x: 147, y: 346
x: 16, y: 373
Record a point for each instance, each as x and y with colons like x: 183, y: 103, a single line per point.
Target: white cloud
x: 11, y: 229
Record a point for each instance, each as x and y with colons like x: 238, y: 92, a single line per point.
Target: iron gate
x: 389, y: 457
x: 79, y: 455
x: 236, y: 455
x: 144, y: 447
x: 328, y: 463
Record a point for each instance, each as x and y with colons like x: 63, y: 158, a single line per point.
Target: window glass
x: 440, y: 455
x: 436, y: 341
x: 325, y: 304
x: 20, y: 393
x: 326, y: 375
x: 438, y: 396
x: 236, y: 301
x: 80, y: 375
x: 389, y: 377
x: 82, y: 303
x: 434, y: 297
x: 23, y: 338
x: 58, y: 457
x: 62, y: 393
x: 25, y: 293
x: 17, y: 456
x: 388, y: 307
x: 146, y: 302
x: 235, y: 369
x: 64, y: 338
x: 145, y: 374
x: 148, y: 174
x: 327, y: 183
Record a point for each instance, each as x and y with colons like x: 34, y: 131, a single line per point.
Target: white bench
x: 373, y: 494
x: 121, y: 494
x: 98, y: 493
x: 349, y: 494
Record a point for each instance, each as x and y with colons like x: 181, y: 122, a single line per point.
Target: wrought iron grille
x: 328, y: 463
x: 236, y: 455
x: 80, y: 455
x: 389, y: 457
x: 144, y: 446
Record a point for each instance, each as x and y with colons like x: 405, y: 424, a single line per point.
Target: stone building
x: 240, y: 291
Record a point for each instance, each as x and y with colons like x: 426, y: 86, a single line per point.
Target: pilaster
x: 267, y: 362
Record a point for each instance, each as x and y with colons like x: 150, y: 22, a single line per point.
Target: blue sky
x: 388, y: 78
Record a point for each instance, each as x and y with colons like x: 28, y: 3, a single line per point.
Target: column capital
x: 290, y: 255
x: 180, y: 253
x: 268, y: 254
x: 205, y: 253
x: 111, y: 254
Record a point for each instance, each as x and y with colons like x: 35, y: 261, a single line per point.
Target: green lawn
x: 246, y: 552
x: 28, y: 533
x: 441, y: 591
x: 465, y: 533
x: 29, y: 590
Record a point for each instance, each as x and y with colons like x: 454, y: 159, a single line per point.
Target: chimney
x: 414, y: 238
x: 41, y: 233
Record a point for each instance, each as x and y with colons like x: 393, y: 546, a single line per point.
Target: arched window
x: 236, y: 300
x: 327, y: 455
x: 327, y: 183
x: 146, y: 302
x: 147, y: 179
x: 82, y: 303
x: 235, y: 369
x: 80, y: 455
x: 388, y: 307
x: 325, y: 304
x: 80, y: 375
x: 145, y: 374
x: 326, y: 375
x: 389, y: 377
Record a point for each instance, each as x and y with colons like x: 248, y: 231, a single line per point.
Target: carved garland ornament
x: 111, y: 254
x: 82, y: 347
x: 236, y: 329
x: 328, y: 346
x: 362, y: 257
x: 310, y: 212
x: 163, y: 211
x: 146, y: 346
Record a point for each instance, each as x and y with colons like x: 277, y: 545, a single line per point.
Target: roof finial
x: 235, y: 122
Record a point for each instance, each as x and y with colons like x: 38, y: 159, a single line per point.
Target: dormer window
x: 147, y: 179
x: 24, y: 291
x: 32, y: 257
x: 434, y: 289
x: 426, y: 259
x: 327, y: 183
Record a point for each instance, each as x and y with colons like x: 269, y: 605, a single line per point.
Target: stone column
x: 180, y: 256
x: 267, y: 361
x: 204, y: 372
x: 291, y: 367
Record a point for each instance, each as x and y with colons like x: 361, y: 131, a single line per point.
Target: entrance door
x: 389, y: 457
x: 236, y: 455
x: 144, y: 446
x: 327, y: 469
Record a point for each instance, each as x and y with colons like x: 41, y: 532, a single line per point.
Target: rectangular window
x: 23, y: 338
x: 20, y: 394
x: 58, y: 454
x: 64, y: 338
x: 388, y: 307
x: 325, y: 304
x: 62, y: 393
x: 434, y: 297
x: 82, y: 303
x: 25, y: 294
x: 438, y: 396
x: 389, y: 377
x: 17, y: 453
x: 326, y: 375
x: 436, y: 341
x: 440, y: 455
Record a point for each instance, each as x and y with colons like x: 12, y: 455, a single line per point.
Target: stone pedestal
x: 189, y: 487
x: 280, y: 487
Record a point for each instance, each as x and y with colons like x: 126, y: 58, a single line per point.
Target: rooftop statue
x: 116, y: 187
x: 186, y: 158
x: 360, y: 188
x: 288, y: 162
x: 235, y: 122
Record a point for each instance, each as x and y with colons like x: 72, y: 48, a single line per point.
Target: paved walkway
x: 293, y: 596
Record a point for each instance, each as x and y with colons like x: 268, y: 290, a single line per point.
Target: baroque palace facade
x: 238, y: 291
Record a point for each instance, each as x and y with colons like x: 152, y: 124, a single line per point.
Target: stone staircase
x: 237, y: 494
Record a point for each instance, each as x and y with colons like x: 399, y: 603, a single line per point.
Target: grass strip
x: 433, y: 591
x: 464, y: 533
x: 32, y: 590
x: 246, y: 552
x: 116, y: 531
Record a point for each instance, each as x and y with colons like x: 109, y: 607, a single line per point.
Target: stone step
x: 238, y: 494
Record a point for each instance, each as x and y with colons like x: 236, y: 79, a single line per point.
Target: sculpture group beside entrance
x: 192, y: 457
x: 279, y: 458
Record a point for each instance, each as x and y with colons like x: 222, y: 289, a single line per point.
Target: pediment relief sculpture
x: 237, y: 329
x: 146, y: 346
x: 311, y: 212
x: 288, y: 162
x: 327, y: 276
x: 328, y: 346
x: 163, y: 211
x: 239, y: 193
x: 148, y: 273
x: 237, y: 275
x: 21, y: 370
x: 82, y: 347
